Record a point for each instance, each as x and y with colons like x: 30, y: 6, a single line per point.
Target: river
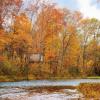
x: 23, y: 90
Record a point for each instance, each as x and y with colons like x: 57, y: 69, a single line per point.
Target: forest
x: 39, y: 40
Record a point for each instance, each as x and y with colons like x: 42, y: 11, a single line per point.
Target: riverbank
x: 84, y: 91
x: 17, y: 79
x: 90, y: 90
x: 40, y: 93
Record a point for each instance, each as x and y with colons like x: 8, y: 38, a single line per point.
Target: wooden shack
x: 35, y: 57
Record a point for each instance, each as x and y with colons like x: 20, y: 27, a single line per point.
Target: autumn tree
x: 69, y: 30
x: 50, y: 23
x: 20, y: 44
x: 89, y: 30
x: 8, y: 7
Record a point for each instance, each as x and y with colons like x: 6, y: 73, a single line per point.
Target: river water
x: 18, y: 91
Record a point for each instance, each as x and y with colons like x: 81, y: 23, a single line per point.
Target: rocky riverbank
x: 51, y: 90
x: 44, y: 93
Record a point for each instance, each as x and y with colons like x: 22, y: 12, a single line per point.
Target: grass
x: 90, y: 90
x: 93, y: 77
x: 6, y: 78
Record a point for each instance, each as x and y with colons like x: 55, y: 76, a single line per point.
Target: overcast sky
x: 89, y: 8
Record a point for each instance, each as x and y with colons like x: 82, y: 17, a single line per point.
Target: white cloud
x: 88, y: 9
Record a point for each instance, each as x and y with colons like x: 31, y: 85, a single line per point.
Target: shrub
x: 90, y: 90
x: 74, y: 71
x: 6, y: 68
